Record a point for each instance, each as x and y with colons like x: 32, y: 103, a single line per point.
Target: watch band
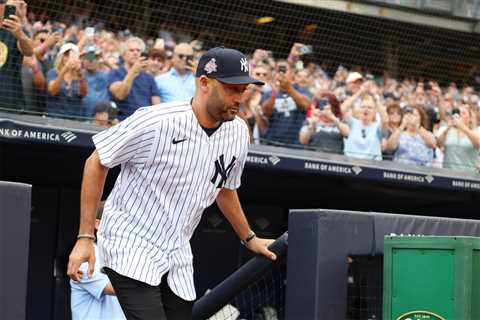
x: 250, y: 236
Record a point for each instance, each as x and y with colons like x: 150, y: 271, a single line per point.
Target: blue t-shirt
x: 88, y: 300
x: 413, y: 150
x: 175, y: 87
x: 364, y: 141
x: 67, y: 101
x: 97, y: 91
x: 141, y: 93
x: 286, y: 120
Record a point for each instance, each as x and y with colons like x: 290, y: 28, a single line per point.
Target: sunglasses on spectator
x: 185, y: 56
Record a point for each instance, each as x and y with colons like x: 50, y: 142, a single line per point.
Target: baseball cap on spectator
x: 90, y: 52
x: 68, y: 47
x: 226, y: 65
x: 102, y: 106
x: 107, y: 106
x: 353, y: 76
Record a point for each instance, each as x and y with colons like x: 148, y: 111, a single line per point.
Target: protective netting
x: 365, y: 288
x: 313, y: 61
x: 263, y: 299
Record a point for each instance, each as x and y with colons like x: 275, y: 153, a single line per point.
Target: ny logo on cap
x: 211, y: 66
x: 244, y: 64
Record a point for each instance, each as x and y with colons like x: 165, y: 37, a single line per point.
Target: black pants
x: 141, y: 301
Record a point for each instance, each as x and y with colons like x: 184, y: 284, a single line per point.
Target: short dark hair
x: 157, y: 53
x: 333, y: 102
x: 102, y: 106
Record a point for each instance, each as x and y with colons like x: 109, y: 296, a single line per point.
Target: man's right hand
x: 83, y: 251
x: 138, y: 66
x: 52, y: 39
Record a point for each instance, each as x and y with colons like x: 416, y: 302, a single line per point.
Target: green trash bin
x: 431, y: 277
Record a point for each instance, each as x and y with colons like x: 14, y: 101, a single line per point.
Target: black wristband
x: 250, y: 236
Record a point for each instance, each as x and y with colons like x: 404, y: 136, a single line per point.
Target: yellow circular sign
x: 3, y: 53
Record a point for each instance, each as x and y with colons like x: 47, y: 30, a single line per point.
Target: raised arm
x: 427, y: 137
x: 348, y: 103
x: 24, y: 43
x: 382, y: 111
x: 121, y: 89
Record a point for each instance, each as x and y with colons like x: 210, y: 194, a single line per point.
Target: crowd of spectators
x: 94, y: 74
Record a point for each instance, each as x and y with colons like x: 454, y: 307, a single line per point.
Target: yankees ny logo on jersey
x: 244, y: 65
x: 221, y: 171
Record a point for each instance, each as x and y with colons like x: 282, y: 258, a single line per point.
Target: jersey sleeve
x: 129, y: 141
x: 235, y: 178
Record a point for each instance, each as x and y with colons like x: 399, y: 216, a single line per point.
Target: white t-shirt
x: 171, y: 171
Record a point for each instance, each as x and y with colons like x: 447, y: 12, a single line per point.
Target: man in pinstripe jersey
x: 176, y: 159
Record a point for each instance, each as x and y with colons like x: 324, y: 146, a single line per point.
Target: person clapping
x: 324, y: 129
x: 411, y: 141
x: 66, y: 83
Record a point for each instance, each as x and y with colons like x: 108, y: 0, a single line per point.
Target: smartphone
x: 306, y: 49
x: 455, y: 111
x: 89, y: 32
x: 9, y: 10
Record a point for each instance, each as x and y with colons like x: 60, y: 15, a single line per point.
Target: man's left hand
x: 260, y: 246
x: 13, y: 25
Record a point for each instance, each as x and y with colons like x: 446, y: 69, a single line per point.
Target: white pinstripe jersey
x: 171, y: 170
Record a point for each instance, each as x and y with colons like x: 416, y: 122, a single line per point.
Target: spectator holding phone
x: 411, y: 141
x: 130, y: 86
x: 284, y: 107
x: 14, y: 44
x: 395, y: 116
x: 44, y: 41
x: 179, y: 83
x: 324, y: 129
x: 66, y: 83
x: 460, y: 139
x: 96, y: 80
x: 34, y: 84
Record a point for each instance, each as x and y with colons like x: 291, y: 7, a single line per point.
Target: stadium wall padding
x: 324, y: 239
x: 15, y: 206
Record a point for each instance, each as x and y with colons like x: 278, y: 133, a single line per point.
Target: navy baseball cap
x: 226, y: 65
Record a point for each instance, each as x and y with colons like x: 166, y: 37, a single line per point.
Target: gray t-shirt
x: 327, y: 138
